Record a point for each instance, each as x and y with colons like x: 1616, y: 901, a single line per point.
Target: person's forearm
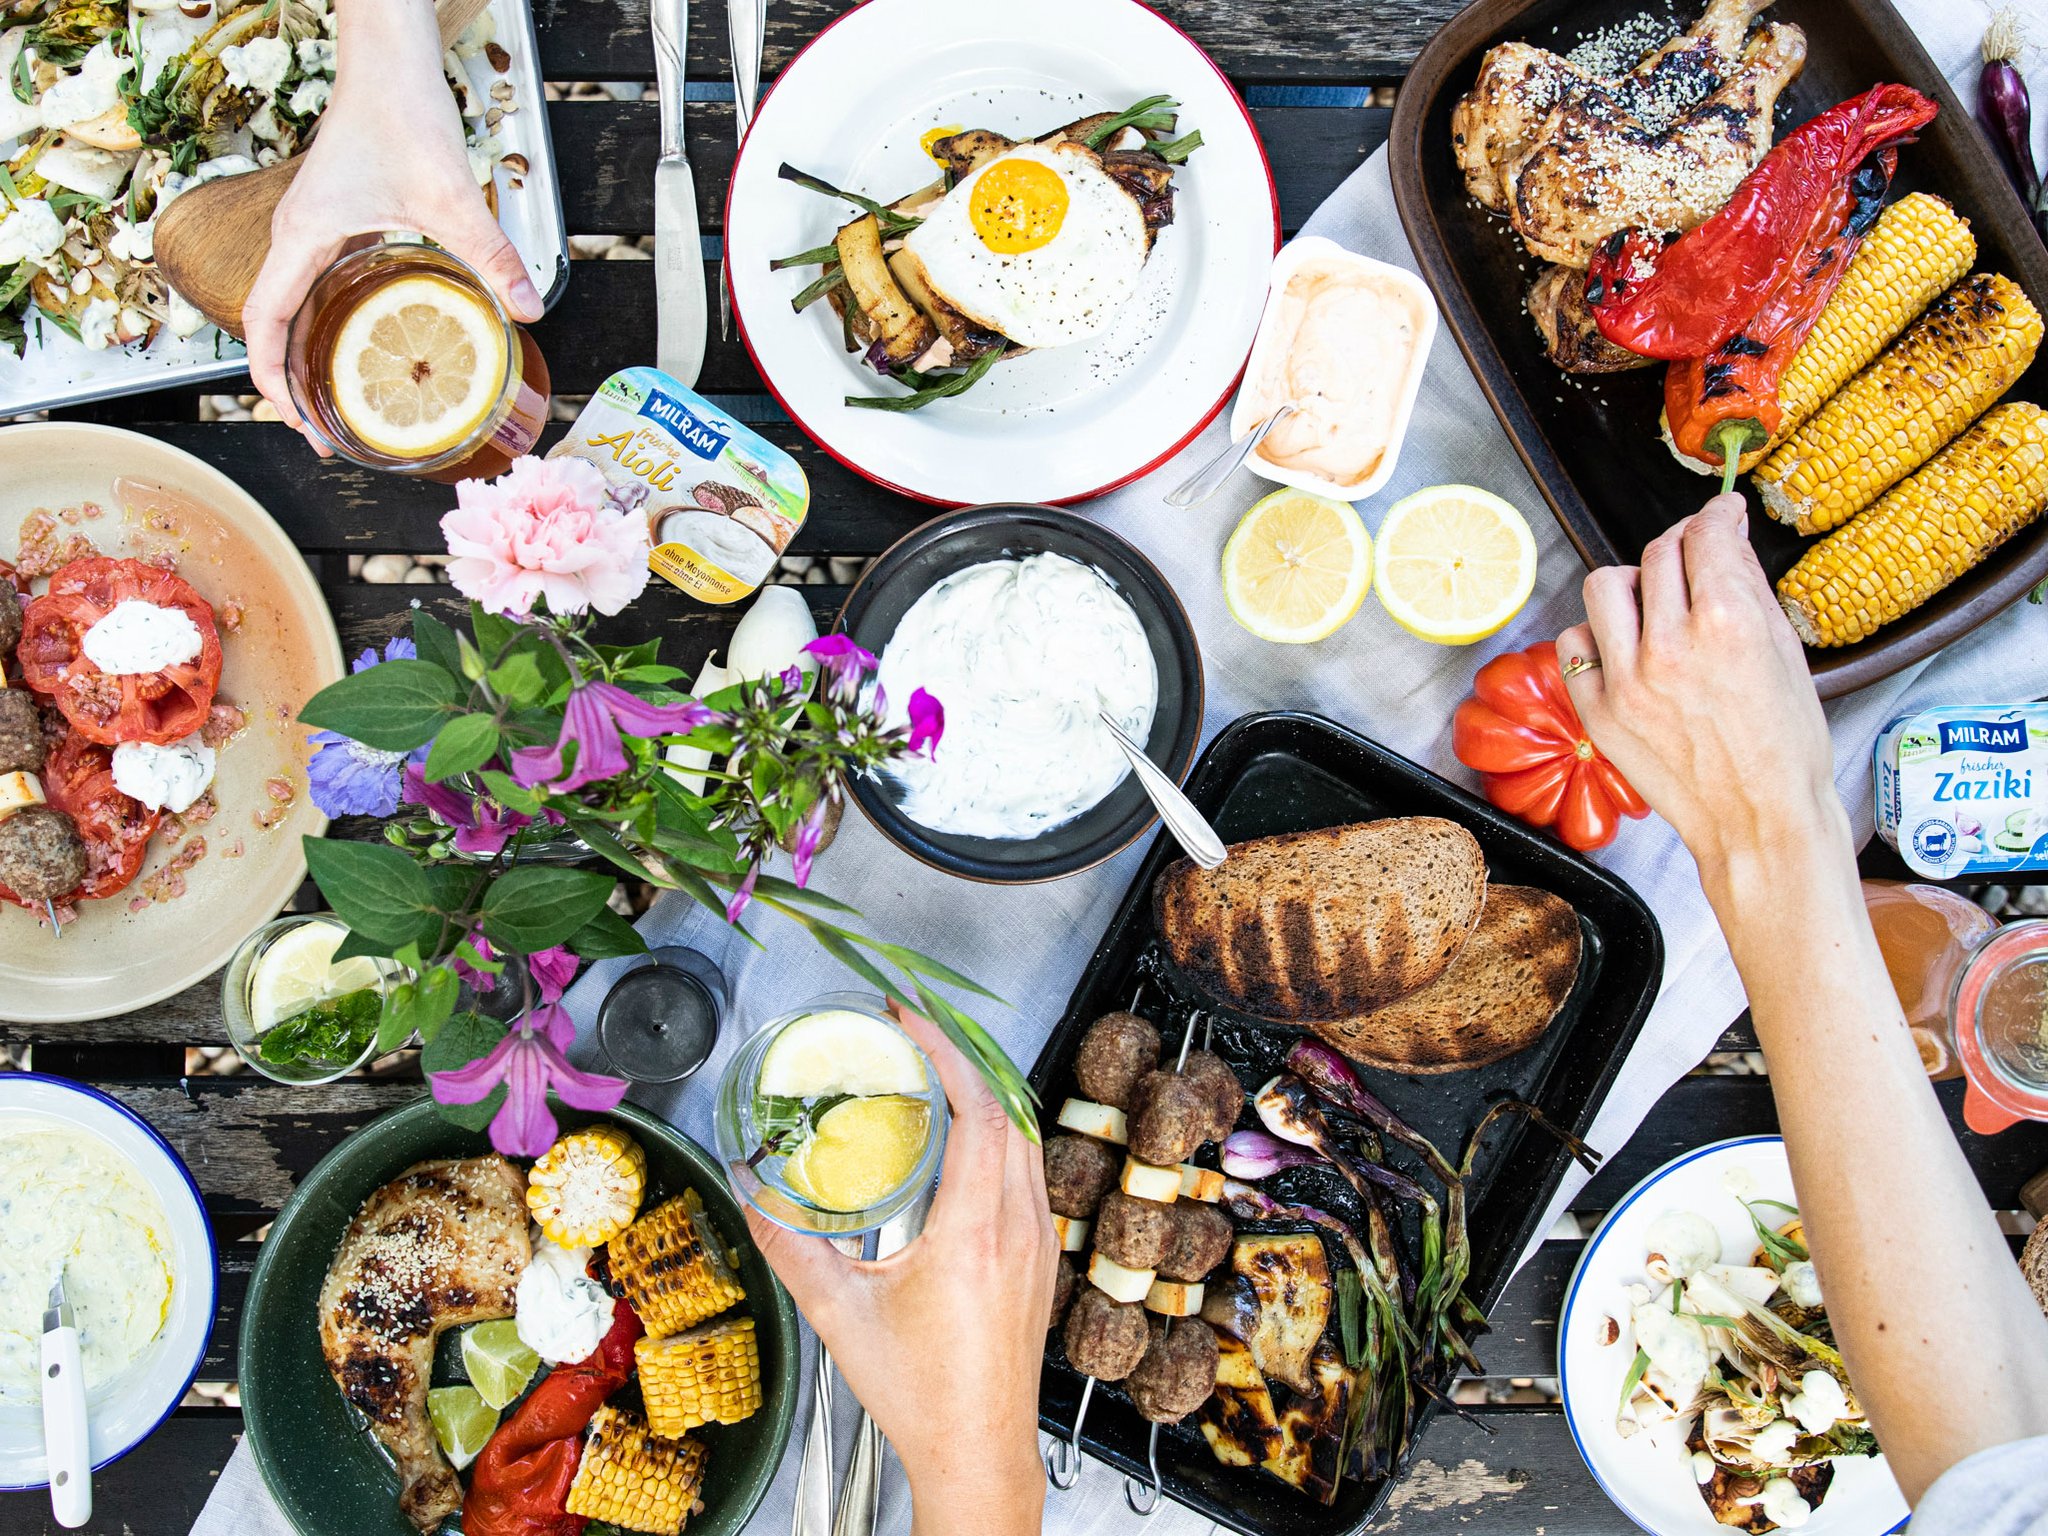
x: 1948, y: 1352
x: 973, y: 1491
x: 387, y: 48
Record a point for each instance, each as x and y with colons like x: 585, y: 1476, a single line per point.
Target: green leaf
x: 532, y: 908
x: 607, y: 936
x: 419, y: 1007
x: 354, y: 944
x: 647, y: 673
x: 509, y: 794
x: 436, y: 642
x: 604, y: 842
x: 924, y: 965
x: 517, y: 678
x: 461, y: 1040
x: 394, y: 706
x: 493, y: 631
x: 463, y: 745
x: 374, y: 888
x: 802, y: 896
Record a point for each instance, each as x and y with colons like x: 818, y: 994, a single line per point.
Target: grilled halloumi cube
x: 1148, y: 1181
x: 1098, y: 1120
x: 1204, y: 1184
x: 1174, y: 1298
x: 1118, y: 1283
x: 1073, y: 1234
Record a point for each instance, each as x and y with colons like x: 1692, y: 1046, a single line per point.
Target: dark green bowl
x: 325, y: 1470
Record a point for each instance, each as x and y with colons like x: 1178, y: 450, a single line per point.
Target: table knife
x: 678, y: 253
x: 860, y: 1500
x: 66, y: 1441
x: 747, y: 28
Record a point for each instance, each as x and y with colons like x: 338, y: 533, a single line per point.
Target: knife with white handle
x: 66, y: 1441
x: 747, y: 27
x: 678, y: 253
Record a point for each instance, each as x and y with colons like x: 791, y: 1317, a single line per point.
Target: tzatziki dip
x: 69, y: 1199
x: 1023, y: 654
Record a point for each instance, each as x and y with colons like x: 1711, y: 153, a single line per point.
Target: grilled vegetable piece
x: 672, y: 1268
x: 1276, y: 1299
x: 1979, y: 491
x: 586, y: 1189
x: 896, y: 324
x: 709, y: 1375
x: 1894, y: 416
x: 1312, y: 1428
x: 1238, y: 1421
x: 636, y: 1480
x: 967, y: 340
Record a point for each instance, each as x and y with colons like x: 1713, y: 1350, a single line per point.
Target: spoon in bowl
x: 1189, y: 827
x: 1204, y: 482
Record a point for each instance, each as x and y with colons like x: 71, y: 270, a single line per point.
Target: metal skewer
x: 56, y: 927
x: 1142, y: 1497
x: 1063, y: 1457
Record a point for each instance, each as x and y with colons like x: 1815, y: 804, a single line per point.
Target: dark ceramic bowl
x: 327, y: 1473
x: 1006, y: 531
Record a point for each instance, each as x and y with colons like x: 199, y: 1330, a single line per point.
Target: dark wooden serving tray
x: 1592, y: 443
x: 1274, y: 773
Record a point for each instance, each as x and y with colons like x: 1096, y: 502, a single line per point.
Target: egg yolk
x: 929, y: 140
x: 1017, y: 206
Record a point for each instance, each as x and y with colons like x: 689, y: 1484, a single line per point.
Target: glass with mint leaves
x: 293, y: 1010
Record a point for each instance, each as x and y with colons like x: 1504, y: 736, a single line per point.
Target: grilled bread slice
x: 1495, y: 998
x: 1328, y: 924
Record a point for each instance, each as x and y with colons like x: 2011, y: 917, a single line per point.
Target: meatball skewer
x: 42, y: 856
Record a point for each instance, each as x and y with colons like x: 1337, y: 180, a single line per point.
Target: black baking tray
x: 1293, y: 772
x: 1591, y: 443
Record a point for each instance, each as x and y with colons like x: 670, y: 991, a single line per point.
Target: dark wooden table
x: 1309, y: 69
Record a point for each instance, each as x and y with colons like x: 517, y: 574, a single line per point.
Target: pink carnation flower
x: 545, y: 528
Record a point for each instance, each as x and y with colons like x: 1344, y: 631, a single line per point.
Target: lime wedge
x: 498, y: 1361
x: 839, y: 1052
x: 860, y: 1152
x: 462, y: 1420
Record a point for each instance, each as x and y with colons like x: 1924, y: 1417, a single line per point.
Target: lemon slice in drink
x: 297, y: 969
x: 498, y: 1361
x: 462, y: 1422
x: 860, y: 1152
x: 1455, y: 563
x: 418, y: 366
x: 1297, y: 567
x: 839, y: 1052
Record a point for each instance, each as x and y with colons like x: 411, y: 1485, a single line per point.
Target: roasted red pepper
x: 1534, y: 758
x: 1685, y: 299
x: 521, y: 1483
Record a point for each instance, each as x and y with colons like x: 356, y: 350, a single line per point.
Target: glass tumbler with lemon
x: 295, y: 1012
x: 830, y: 1119
x: 402, y: 358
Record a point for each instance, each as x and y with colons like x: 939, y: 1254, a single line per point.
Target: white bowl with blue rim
x: 1649, y: 1474
x: 124, y: 1411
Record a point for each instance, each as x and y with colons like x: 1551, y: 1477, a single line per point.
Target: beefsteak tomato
x: 160, y: 706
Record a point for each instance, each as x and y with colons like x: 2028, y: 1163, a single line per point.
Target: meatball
x: 1118, y: 1049
x: 1225, y: 1092
x: 10, y: 619
x: 1171, y: 1115
x: 1199, y: 1240
x: 22, y: 747
x: 1078, y: 1171
x: 1133, y: 1232
x: 1105, y: 1338
x: 1178, y: 1372
x: 1064, y: 1281
x: 41, y: 854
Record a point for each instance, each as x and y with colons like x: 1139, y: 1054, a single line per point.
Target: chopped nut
x: 502, y: 90
x: 500, y: 60
x: 492, y: 118
x: 1610, y: 1331
x: 516, y: 164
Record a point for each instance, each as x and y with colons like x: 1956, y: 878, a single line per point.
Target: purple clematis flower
x: 804, y: 846
x: 743, y: 895
x: 927, y: 723
x: 530, y: 1064
x: 552, y: 969
x: 592, y: 721
x: 482, y: 826
x: 846, y: 665
x: 350, y: 779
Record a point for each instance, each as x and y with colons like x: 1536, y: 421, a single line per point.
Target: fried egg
x: 1039, y: 243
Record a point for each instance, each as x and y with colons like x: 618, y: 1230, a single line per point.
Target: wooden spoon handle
x: 212, y: 241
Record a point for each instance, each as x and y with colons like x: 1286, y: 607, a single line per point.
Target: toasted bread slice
x: 1495, y: 998
x: 1325, y: 925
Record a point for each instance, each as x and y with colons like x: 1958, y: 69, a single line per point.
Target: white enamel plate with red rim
x: 1054, y: 425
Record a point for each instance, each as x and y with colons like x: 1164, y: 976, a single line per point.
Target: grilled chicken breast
x: 440, y: 1246
x: 1571, y: 336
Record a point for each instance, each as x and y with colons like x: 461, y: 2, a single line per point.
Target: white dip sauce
x: 69, y: 1199
x: 562, y: 1314
x: 1022, y: 654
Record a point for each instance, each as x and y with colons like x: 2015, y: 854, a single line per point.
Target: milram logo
x: 1984, y: 736
x: 701, y: 438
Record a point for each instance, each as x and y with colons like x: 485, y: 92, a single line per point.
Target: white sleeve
x: 1999, y: 1492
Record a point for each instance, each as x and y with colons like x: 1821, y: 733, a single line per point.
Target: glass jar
x: 757, y: 1161
x: 247, y: 1015
x: 1999, y: 1006
x: 1926, y: 934
x: 490, y: 426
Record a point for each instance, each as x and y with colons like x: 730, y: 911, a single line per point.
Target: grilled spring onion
x: 927, y: 387
x: 825, y: 282
x: 1155, y: 114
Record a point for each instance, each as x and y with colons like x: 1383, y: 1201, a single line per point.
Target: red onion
x: 1257, y: 1155
x: 2006, y: 114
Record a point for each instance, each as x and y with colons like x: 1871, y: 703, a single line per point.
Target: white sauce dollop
x: 1685, y: 1241
x: 1022, y: 654
x: 135, y: 636
x: 166, y: 778
x: 562, y: 1314
x: 1802, y: 1283
x: 30, y: 232
x: 92, y: 91
x: 1818, y: 1403
x: 1782, y: 1504
x: 69, y: 1199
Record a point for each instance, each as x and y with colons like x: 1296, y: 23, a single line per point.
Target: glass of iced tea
x: 403, y: 359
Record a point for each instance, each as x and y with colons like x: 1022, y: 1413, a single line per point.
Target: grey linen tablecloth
x: 1029, y: 944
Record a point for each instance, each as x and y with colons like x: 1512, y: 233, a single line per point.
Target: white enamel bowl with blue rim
x: 1649, y: 1476
x: 125, y: 1411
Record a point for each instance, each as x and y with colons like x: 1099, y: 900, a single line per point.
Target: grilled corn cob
x: 709, y: 1375
x: 1896, y: 415
x: 1979, y: 491
x: 636, y: 1480
x: 672, y: 1268
x: 587, y: 1187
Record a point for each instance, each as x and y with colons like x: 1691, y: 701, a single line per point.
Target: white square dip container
x: 1286, y: 329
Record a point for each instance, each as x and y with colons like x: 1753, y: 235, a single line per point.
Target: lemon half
x: 861, y: 1151
x: 1297, y: 567
x: 1454, y: 563
x: 839, y: 1051
x: 418, y: 366
x: 297, y: 969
